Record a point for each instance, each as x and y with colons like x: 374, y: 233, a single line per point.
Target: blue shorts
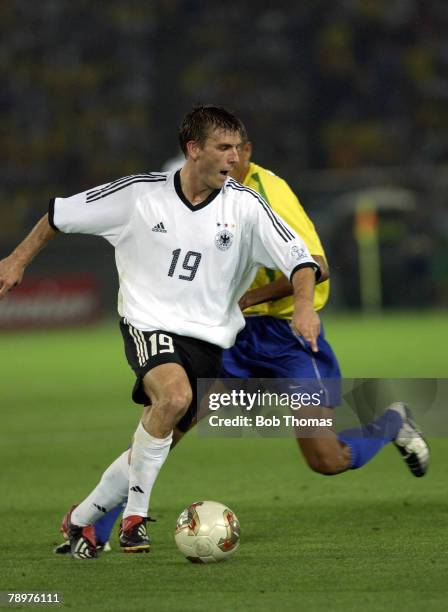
x: 267, y: 348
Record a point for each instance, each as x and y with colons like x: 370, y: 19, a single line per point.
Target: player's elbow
x: 324, y: 274
x: 324, y: 269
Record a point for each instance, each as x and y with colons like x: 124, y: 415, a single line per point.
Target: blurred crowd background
x: 346, y: 99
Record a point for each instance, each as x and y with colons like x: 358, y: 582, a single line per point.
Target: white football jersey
x: 183, y: 268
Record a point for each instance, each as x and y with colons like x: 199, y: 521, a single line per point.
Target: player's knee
x: 176, y: 403
x: 323, y: 464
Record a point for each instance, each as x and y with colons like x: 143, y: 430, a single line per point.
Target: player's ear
x: 193, y: 148
x: 247, y: 149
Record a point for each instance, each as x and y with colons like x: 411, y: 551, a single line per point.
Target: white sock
x: 147, y: 457
x: 109, y: 492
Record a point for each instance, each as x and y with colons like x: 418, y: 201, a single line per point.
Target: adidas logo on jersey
x: 159, y: 228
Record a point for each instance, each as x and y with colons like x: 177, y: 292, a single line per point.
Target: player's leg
x: 171, y: 389
x: 105, y: 524
x: 267, y: 348
x: 104, y: 527
x: 395, y: 425
x: 170, y: 392
x: 113, y: 488
x: 320, y: 446
x: 109, y: 492
x: 329, y: 453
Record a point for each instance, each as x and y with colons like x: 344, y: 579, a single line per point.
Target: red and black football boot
x: 82, y: 539
x: 133, y: 535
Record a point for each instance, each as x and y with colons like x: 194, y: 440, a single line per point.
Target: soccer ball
x: 207, y: 532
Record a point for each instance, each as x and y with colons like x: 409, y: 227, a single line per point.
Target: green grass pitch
x: 371, y: 539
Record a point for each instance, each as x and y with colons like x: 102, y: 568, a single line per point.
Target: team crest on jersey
x: 224, y: 239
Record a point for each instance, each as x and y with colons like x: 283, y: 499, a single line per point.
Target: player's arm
x: 279, y: 288
x: 275, y: 243
x: 13, y: 267
x: 305, y: 321
x: 286, y: 204
x: 101, y: 211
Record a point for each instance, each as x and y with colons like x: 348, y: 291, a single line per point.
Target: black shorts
x: 146, y: 350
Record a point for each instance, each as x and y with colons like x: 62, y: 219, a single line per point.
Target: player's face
x: 217, y: 157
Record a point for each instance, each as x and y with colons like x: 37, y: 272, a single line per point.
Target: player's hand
x: 306, y: 323
x: 11, y: 274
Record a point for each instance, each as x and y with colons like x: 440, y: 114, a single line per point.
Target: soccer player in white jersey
x: 187, y: 246
x: 267, y: 348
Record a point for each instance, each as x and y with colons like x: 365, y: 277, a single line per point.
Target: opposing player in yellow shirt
x: 271, y: 299
x: 268, y: 348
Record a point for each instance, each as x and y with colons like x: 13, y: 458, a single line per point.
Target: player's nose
x: 234, y: 157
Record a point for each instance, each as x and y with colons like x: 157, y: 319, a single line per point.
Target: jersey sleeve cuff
x: 307, y: 264
x: 51, y: 214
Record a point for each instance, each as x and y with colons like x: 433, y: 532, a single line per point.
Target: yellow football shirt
x: 279, y: 195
